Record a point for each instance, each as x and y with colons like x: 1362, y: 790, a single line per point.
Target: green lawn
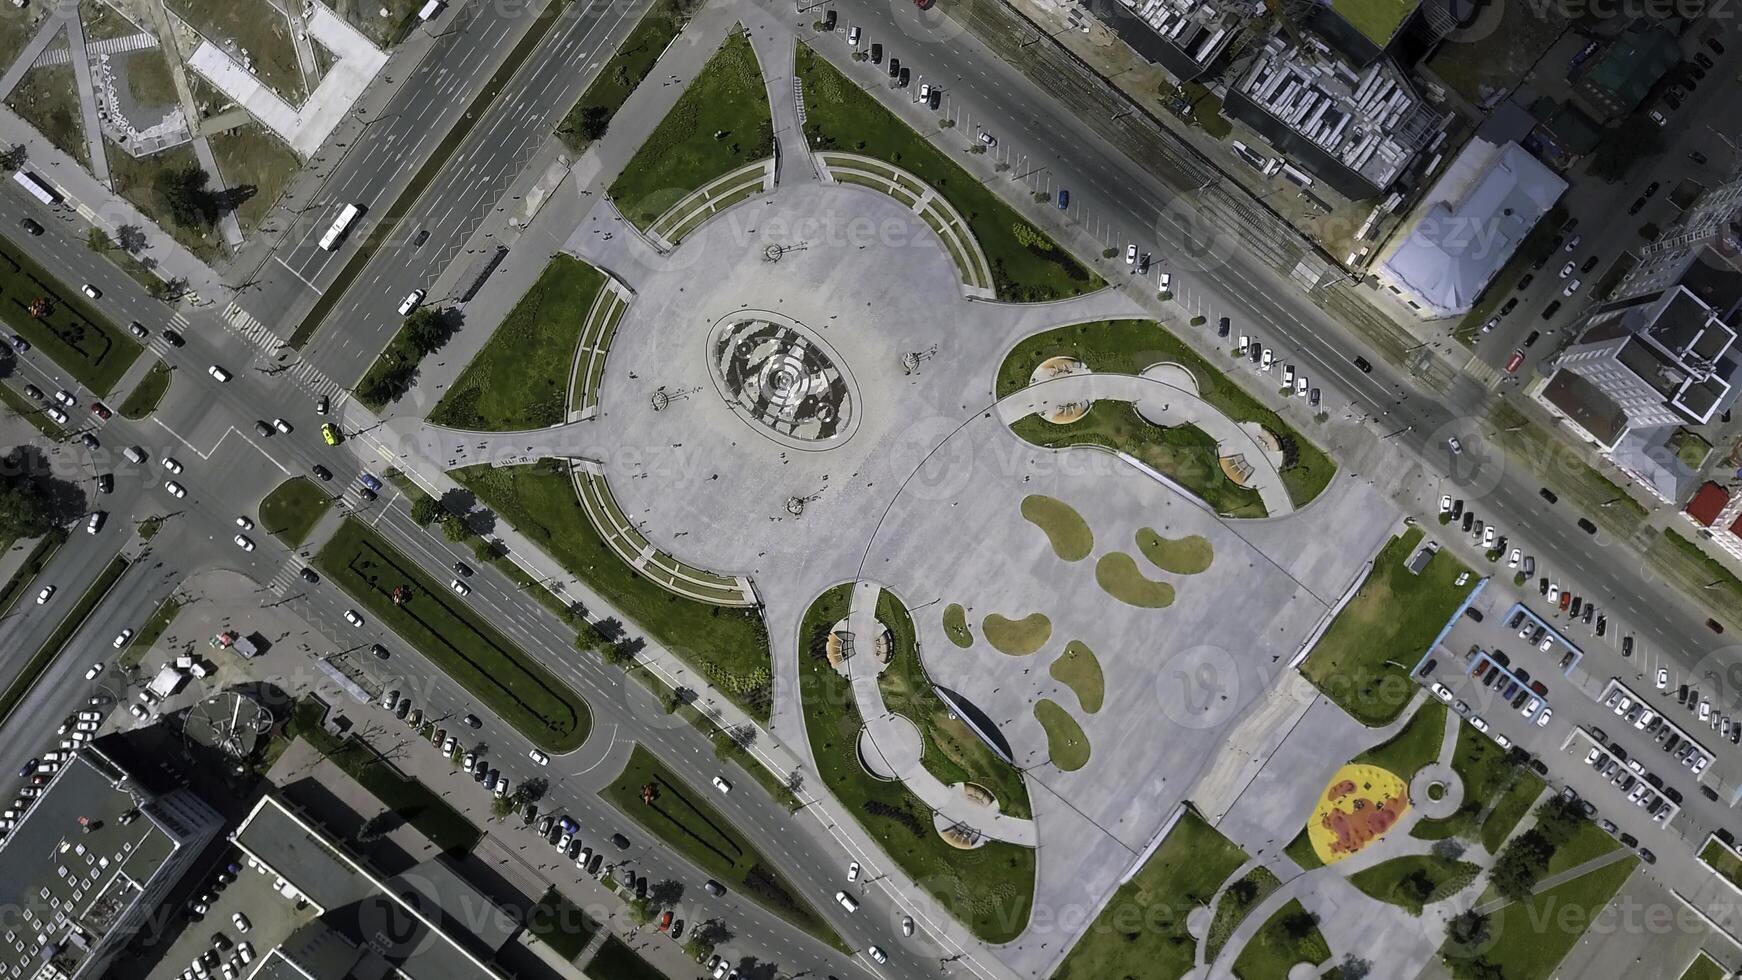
x: 1588, y: 843
x: 133, y: 179
x: 616, y: 961
x: 1185, y: 452
x: 1531, y: 938
x: 956, y: 625
x: 564, y: 926
x: 1118, y: 575
x: 1689, y: 448
x: 1704, y: 968
x: 1415, y: 746
x: 1235, y: 903
x: 454, y: 637
x: 990, y: 889
x: 69, y: 624
x: 40, y: 553
x: 251, y: 156
x: 1066, y: 744
x: 1189, y: 555
x: 72, y: 333
x: 1391, y: 620
x: 1017, y: 637
x: 1377, y: 19
x: 411, y: 800
x: 293, y: 509
x: 1488, y: 776
x: 626, y: 70
x: 1027, y: 266
x: 1301, y: 851
x: 682, y: 817
x: 1721, y: 859
x: 520, y: 379
x: 1142, y: 930
x: 1271, y: 950
x: 1129, y: 346
x: 145, y: 396
x: 1078, y: 669
x: 48, y: 99
x: 1416, y: 880
x: 952, y: 753
x: 262, y: 31
x: 1065, y: 529
x: 728, y: 645
x: 720, y: 123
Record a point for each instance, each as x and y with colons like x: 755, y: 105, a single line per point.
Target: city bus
x: 36, y: 187
x: 340, y: 225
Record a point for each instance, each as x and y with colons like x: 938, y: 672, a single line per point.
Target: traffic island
x: 293, y: 508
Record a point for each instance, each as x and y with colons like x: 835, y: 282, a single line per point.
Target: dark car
x: 89, y: 441
x: 322, y: 472
x: 906, y: 76
x: 621, y: 842
x: 1637, y: 206
x: 935, y: 99
x: 106, y: 483
x: 829, y: 20
x: 1222, y: 327
x: 713, y: 888
x: 1366, y: 368
x: 264, y: 429
x: 309, y: 575
x: 1533, y: 337
x: 31, y: 226
x: 366, y: 493
x: 1428, y: 667
x: 422, y: 236
x: 172, y: 338
x: 472, y: 721
x: 1527, y: 279
x: 1548, y: 495
x: 1646, y: 855
x: 1143, y: 267
x: 1590, y: 263
x: 379, y: 651
x: 877, y: 54
x: 28, y: 768
x: 1697, y: 157
x: 1714, y: 626
x: 1586, y: 526
x: 1551, y: 309
x: 1542, y: 585
x: 894, y: 67
x: 1509, y: 306
x: 462, y: 569
x: 1469, y: 519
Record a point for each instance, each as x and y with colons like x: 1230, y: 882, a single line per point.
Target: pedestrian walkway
x: 94, y: 146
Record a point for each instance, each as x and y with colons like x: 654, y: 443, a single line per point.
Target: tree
x: 26, y: 509
x: 98, y: 240
x: 1297, y: 926
x: 13, y: 157
x: 1242, y: 892
x: 168, y: 290
x: 595, y: 120
x: 425, y: 511
x: 1417, y: 887
x: 1468, y: 929
x: 454, y: 527
x: 426, y: 329
x: 1355, y: 968
x: 131, y: 238
x: 1521, y: 865
x: 184, y: 194
x: 387, y: 385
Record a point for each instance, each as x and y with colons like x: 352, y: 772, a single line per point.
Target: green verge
x: 520, y: 379
x: 1414, y: 881
x: 989, y: 889
x: 1392, y: 619
x: 63, y: 633
x: 616, y: 961
x: 135, y: 179
x: 34, y: 562
x: 682, y: 817
x: 72, y: 334
x: 1587, y: 843
x: 31, y: 412
x: 1531, y: 938
x: 1412, y: 748
x: 145, y: 396
x: 1722, y: 860
x: 293, y: 508
x: 1301, y: 851
x: 726, y: 748
x: 437, y: 161
x: 720, y: 123
x: 563, y: 926
x: 1234, y: 905
x: 1027, y: 266
x: 1549, y: 460
x: 1378, y: 20
x: 1698, y: 574
x: 952, y: 752
x: 154, y: 626
x: 1185, y: 453
x: 415, y: 803
x: 1271, y: 951
x: 455, y: 638
x: 626, y: 70
x: 1520, y: 796
x: 1183, y: 874
x: 1704, y: 968
x: 1130, y: 346
x: 728, y: 645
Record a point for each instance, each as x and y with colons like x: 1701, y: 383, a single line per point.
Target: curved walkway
x: 600, y: 325
x: 884, y: 728
x: 934, y: 208
x: 1163, y: 404
x: 708, y: 200
x: 638, y: 553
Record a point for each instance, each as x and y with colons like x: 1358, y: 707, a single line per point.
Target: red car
x: 665, y: 922
x: 1566, y: 600
x: 1517, y: 359
x: 101, y: 410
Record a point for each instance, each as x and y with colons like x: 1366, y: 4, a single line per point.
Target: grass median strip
x: 681, y: 816
x: 146, y: 395
x: 293, y: 508
x: 459, y: 641
x: 160, y: 619
x: 62, y: 634
x: 69, y: 330
x: 39, y: 555
x: 437, y: 162
x: 990, y: 889
x: 32, y: 413
x: 624, y: 73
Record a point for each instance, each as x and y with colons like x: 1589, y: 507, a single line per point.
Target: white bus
x: 36, y: 187
x: 340, y: 225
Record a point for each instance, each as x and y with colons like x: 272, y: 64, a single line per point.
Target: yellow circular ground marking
x: 1357, y: 808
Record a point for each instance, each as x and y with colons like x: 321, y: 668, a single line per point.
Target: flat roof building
x: 1466, y: 228
x: 87, y: 865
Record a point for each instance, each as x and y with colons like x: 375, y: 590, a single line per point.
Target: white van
x: 847, y: 901
x: 429, y: 10
x: 95, y: 524
x: 134, y: 454
x: 410, y: 302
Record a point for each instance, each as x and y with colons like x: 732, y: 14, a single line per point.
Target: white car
x: 175, y: 489
x: 138, y: 712
x: 1131, y: 254
x: 1662, y: 678
x: 96, y: 668
x: 352, y: 617
x: 1530, y: 707
x: 172, y: 464
x: 853, y: 37
x: 460, y: 588
x: 1488, y: 536
x: 1542, y: 719
x: 924, y: 91
x: 1574, y: 241
x: 1513, y: 559
x: 243, y: 543
x: 988, y: 139
x: 1503, y: 741
x: 449, y: 744
x: 281, y: 425
x: 121, y: 638
x: 1567, y: 270
x: 1572, y: 287
x: 1165, y: 281
x: 91, y: 291
x: 1554, y: 594
x: 538, y: 757
x: 410, y: 302
x: 66, y: 398
x: 1442, y: 692
x: 245, y: 522
x: 877, y: 954
x: 1446, y: 504
x: 1478, y: 724
x: 55, y: 415
x: 907, y: 925
x: 46, y: 594
x: 853, y: 871
x: 219, y: 373
x: 1455, y: 446
x: 1705, y: 709
x: 1547, y: 642
x: 1265, y: 360
x: 722, y: 785
x: 241, y: 922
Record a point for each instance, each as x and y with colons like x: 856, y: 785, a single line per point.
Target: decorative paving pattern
x: 775, y: 373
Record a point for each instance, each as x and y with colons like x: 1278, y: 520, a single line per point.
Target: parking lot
x: 240, y: 912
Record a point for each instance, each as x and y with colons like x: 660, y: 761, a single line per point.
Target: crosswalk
x: 245, y: 325
x: 288, y: 578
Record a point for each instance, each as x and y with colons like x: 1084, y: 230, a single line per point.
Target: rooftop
x: 1620, y: 77
x: 74, y: 865
x: 1378, y: 20
x: 1586, y: 406
x: 1707, y: 503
